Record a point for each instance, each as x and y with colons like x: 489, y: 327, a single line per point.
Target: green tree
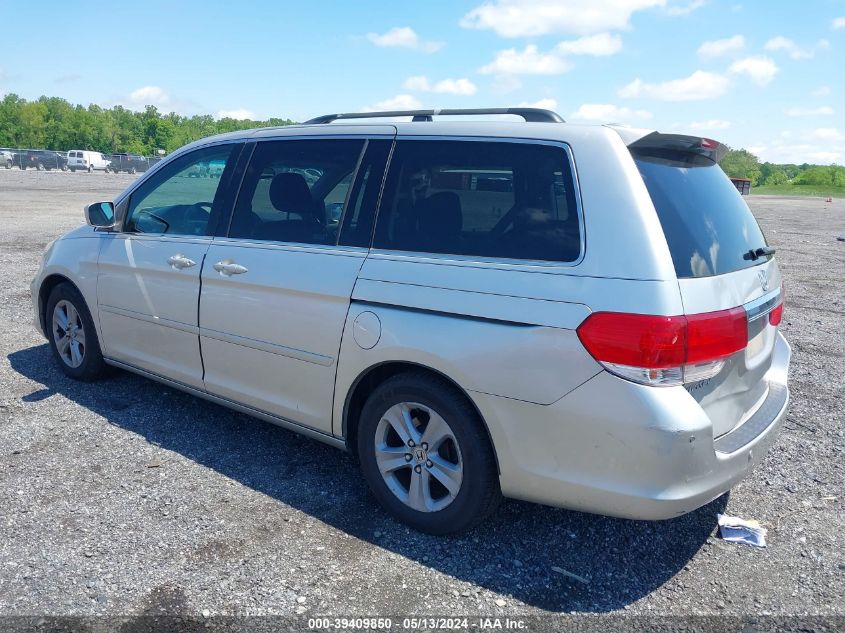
x: 740, y: 163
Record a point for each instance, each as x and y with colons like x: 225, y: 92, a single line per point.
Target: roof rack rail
x: 531, y: 115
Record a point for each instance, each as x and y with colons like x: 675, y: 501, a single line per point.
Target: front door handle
x: 228, y: 268
x: 179, y: 261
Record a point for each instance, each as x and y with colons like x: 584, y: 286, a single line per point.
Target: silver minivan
x: 580, y: 316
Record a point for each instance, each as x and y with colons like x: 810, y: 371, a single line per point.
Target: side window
x: 487, y: 199
x: 295, y: 190
x: 180, y: 199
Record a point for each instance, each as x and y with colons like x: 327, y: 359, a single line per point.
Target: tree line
x: 740, y: 163
x: 54, y: 123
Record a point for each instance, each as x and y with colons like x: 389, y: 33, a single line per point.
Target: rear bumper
x: 616, y: 448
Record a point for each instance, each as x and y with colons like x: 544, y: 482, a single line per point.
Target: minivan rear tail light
x: 664, y: 350
x: 776, y: 315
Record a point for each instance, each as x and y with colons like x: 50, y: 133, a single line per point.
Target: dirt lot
x: 128, y: 497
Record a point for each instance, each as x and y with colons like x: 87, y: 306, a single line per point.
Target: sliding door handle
x: 228, y: 268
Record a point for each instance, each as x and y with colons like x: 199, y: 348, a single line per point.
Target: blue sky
x: 766, y: 75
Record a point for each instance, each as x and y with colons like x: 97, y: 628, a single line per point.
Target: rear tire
x: 40, y: 167
x: 438, y: 479
x: 72, y: 335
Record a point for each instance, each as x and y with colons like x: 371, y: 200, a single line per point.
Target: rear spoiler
x: 714, y: 150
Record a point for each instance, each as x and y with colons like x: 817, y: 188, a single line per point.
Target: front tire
x: 426, y: 456
x: 72, y: 335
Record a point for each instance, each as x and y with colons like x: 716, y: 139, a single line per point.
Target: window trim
x: 478, y: 260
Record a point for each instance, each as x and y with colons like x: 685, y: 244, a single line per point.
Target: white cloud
x: 679, y: 10
x: 599, y: 45
x: 781, y: 43
x: 761, y: 70
x: 148, y: 95
x: 527, y: 18
x: 698, y: 86
x: 455, y: 87
x: 608, y: 113
x: 717, y: 48
x: 532, y: 61
x: 827, y: 134
x: 711, y: 124
x: 821, y: 91
x: 838, y: 23
x: 546, y: 104
x: 421, y: 83
x: 404, y: 37
x: 820, y: 111
x: 239, y: 114
x: 399, y: 102
x: 529, y: 61
x: 798, y: 153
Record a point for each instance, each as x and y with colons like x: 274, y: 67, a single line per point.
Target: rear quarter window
x: 503, y: 200
x: 708, y: 226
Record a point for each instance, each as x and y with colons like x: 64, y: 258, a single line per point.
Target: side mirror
x: 100, y: 214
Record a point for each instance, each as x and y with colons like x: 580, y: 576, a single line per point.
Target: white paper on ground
x: 738, y: 530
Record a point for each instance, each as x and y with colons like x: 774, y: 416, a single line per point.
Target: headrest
x: 289, y: 193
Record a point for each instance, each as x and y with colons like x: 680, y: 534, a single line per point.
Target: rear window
x: 708, y: 227
x: 473, y: 198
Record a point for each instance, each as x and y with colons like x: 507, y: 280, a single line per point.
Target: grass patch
x: 820, y: 191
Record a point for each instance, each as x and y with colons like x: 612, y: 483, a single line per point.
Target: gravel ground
x: 126, y: 497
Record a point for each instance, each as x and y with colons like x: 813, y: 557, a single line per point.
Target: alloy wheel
x: 418, y: 456
x: 68, y: 334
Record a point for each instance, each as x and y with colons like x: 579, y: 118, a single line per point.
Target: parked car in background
x: 40, y: 159
x: 129, y: 163
x: 7, y: 158
x: 87, y: 160
x: 579, y: 316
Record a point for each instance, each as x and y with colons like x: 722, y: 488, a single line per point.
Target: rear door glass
x: 708, y: 227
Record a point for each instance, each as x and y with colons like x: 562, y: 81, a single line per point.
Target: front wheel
x: 72, y: 335
x: 426, y: 456
x: 90, y: 168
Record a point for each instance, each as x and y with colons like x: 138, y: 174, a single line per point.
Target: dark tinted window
x: 503, y: 200
x: 295, y: 190
x: 708, y: 226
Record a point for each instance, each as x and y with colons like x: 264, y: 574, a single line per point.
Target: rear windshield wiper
x: 755, y: 254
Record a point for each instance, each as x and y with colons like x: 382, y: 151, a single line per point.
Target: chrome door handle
x: 179, y: 261
x: 228, y: 268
